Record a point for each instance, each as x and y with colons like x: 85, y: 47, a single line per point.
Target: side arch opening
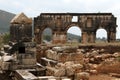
x: 47, y: 36
x: 74, y: 35
x: 101, y: 36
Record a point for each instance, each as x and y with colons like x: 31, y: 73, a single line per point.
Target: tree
x: 47, y: 37
x: 6, y: 38
x: 79, y: 39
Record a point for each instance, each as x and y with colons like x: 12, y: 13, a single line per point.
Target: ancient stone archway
x: 88, y: 23
x: 101, y: 35
x: 73, y: 25
x: 47, y: 35
x: 74, y: 30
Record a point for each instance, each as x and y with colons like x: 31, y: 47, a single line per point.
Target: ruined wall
x: 89, y: 23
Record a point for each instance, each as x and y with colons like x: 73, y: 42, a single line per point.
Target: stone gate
x: 89, y: 23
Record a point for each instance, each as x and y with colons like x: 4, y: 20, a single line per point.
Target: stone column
x: 84, y: 37
x: 92, y: 37
x: 112, y: 36
x: 59, y: 37
x: 108, y: 36
x: 38, y: 36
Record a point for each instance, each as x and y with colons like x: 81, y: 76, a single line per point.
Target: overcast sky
x: 33, y: 8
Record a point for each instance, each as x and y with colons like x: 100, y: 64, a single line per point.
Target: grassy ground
x: 94, y: 44
x: 88, y: 44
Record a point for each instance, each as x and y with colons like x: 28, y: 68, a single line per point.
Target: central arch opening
x: 101, y: 36
x: 47, y: 36
x: 74, y: 35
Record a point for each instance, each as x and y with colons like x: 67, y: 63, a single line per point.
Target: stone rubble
x: 72, y: 63
x: 67, y: 61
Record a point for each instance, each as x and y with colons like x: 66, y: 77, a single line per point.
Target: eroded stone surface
x: 59, y: 23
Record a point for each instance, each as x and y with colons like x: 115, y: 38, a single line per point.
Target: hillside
x: 71, y: 36
x: 5, y: 18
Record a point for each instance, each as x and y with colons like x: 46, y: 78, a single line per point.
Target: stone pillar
x: 37, y: 36
x: 59, y: 37
x: 108, y: 36
x: 112, y: 36
x: 92, y: 37
x: 38, y: 39
x: 84, y: 37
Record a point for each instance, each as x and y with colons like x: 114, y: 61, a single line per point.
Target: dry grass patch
x: 109, y: 67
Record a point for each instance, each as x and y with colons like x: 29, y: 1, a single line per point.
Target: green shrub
x: 118, y: 58
x: 6, y: 38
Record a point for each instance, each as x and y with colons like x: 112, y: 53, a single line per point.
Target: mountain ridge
x: 5, y: 18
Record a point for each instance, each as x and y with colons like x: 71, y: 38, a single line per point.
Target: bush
x: 6, y: 38
x: 47, y: 37
x: 118, y: 58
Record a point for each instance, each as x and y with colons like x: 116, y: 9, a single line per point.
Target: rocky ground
x: 76, y: 62
x: 97, y: 63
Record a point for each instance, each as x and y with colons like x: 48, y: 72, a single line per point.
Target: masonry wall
x: 89, y: 23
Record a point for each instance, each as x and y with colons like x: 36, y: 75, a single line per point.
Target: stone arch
x: 74, y: 26
x: 38, y: 31
x: 46, y: 35
x: 88, y: 23
x: 101, y: 35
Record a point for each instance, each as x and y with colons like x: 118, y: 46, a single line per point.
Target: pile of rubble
x: 15, y: 56
x: 69, y: 69
x: 6, y: 57
x: 61, y: 62
x: 63, y: 54
x: 78, y: 63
